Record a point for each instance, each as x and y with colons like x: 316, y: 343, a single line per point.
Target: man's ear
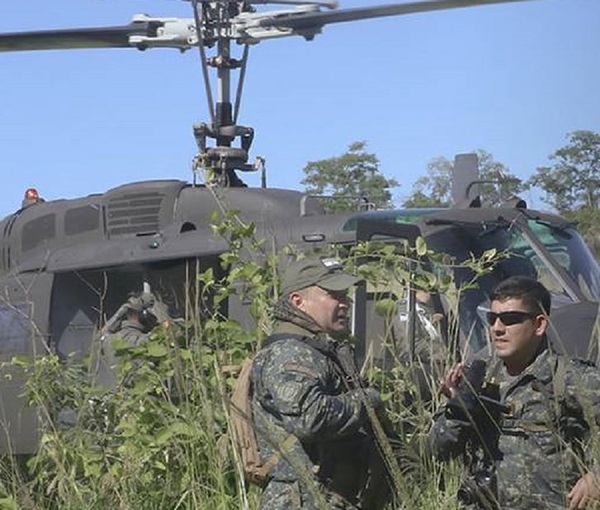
x: 296, y: 299
x: 541, y: 324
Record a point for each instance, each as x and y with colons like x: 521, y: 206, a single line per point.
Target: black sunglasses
x: 509, y: 318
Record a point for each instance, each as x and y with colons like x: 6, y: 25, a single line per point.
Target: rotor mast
x: 220, y: 162
x: 217, y: 24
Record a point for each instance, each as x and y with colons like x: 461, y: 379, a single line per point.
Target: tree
x: 573, y: 182
x: 352, y: 180
x: 434, y: 189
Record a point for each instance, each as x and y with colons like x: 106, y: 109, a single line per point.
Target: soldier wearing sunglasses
x: 543, y: 456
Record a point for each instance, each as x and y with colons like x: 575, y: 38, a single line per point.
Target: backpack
x: 256, y: 470
x: 244, y: 436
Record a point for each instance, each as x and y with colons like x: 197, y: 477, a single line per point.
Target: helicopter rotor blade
x: 314, y: 20
x: 146, y: 32
x: 330, y: 4
x: 77, y: 38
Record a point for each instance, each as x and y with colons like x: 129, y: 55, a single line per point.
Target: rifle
x: 385, y: 471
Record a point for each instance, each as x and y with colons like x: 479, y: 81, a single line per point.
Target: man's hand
x: 584, y: 492
x: 449, y: 386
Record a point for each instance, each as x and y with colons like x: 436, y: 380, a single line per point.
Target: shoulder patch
x: 296, y: 368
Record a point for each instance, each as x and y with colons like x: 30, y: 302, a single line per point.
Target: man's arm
x: 447, y: 437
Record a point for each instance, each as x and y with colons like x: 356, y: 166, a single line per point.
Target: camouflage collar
x: 284, y: 327
x: 541, y: 368
x: 284, y: 311
x: 320, y: 341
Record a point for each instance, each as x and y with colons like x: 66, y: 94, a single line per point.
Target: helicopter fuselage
x: 67, y: 265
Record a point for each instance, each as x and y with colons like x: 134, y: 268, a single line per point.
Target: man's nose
x: 498, y: 325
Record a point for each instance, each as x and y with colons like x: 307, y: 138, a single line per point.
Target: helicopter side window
x: 15, y: 329
x: 38, y: 230
x: 461, y: 244
x: 545, y: 276
x: 82, y: 219
x: 403, y: 322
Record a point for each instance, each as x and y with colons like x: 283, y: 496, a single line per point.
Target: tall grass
x: 160, y: 438
x: 151, y: 442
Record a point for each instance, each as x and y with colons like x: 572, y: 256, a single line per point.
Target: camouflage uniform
x: 305, y: 414
x: 133, y: 333
x: 543, y: 441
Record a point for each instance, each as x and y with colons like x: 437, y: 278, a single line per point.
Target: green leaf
x: 421, y: 247
x: 385, y: 307
x: 157, y: 350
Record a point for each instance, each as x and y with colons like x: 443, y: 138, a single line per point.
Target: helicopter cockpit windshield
x: 556, y: 255
x: 568, y: 249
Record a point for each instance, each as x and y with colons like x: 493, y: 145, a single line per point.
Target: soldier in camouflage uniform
x: 544, y: 459
x: 310, y: 423
x: 133, y: 322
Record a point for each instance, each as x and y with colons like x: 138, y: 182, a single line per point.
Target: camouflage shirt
x: 544, y: 439
x: 301, y: 405
x: 133, y: 334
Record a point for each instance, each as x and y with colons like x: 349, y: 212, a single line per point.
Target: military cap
x: 140, y: 302
x: 326, y: 272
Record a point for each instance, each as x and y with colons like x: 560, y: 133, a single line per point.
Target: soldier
x: 309, y: 410
x: 538, y: 455
x: 133, y: 322
x: 136, y: 320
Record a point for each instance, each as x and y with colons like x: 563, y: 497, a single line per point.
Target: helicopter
x: 67, y: 265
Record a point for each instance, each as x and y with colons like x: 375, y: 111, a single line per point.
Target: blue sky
x: 512, y: 79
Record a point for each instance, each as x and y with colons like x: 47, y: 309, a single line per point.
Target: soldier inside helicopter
x: 133, y: 323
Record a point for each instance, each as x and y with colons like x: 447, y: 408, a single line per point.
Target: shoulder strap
x: 276, y: 337
x: 559, y: 384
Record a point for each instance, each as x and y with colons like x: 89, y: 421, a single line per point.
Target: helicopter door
x: 79, y: 298
x: 23, y: 333
x: 372, y: 325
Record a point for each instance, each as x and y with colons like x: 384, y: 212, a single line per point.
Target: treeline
x: 570, y: 184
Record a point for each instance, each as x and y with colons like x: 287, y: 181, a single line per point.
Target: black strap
x: 276, y: 337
